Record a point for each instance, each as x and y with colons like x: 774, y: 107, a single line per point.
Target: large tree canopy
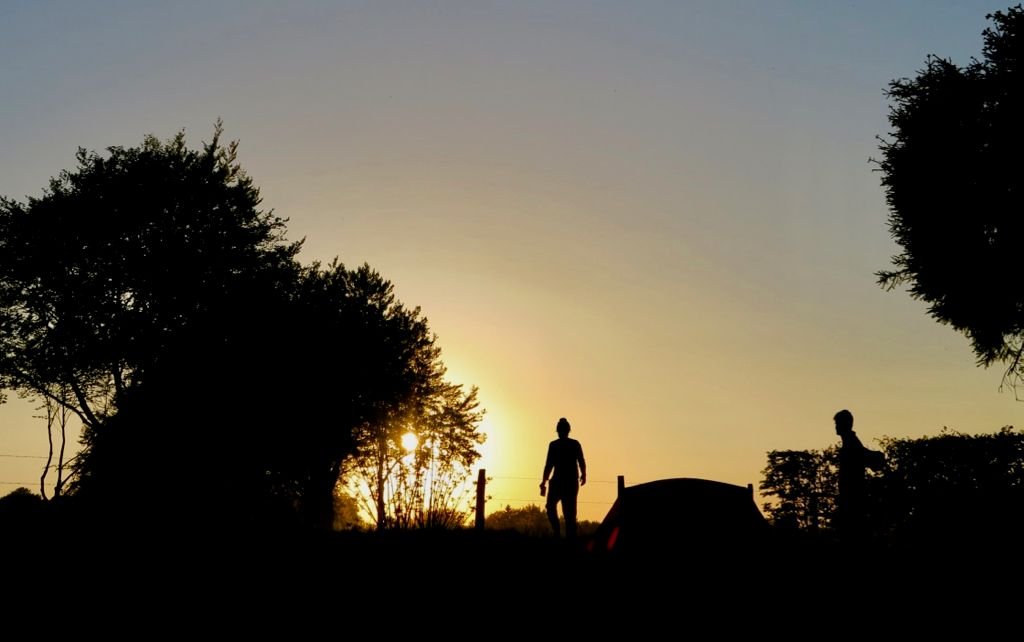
x: 215, y: 375
x: 119, y: 257
x: 253, y: 419
x: 953, y: 171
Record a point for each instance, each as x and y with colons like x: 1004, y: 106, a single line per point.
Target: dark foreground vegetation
x: 297, y: 572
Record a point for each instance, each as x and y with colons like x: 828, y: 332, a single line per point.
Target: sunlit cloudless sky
x: 657, y: 219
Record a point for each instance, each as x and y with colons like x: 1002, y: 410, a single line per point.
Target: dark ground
x: 504, y: 583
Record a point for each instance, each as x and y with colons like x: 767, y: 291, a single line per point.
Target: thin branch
x: 1012, y: 376
x: 63, y: 418
x: 93, y: 421
x: 49, y: 451
x: 41, y: 389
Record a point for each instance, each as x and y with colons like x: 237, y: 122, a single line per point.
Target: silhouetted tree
x: 18, y: 496
x: 346, y: 511
x: 393, y: 379
x: 285, y: 384
x: 804, y: 484
x: 942, y: 488
x: 20, y: 510
x: 431, y: 489
x: 532, y: 520
x: 529, y: 520
x: 118, y: 258
x: 55, y: 413
x: 106, y: 277
x: 955, y: 486
x: 424, y: 486
x: 954, y: 184
x: 217, y: 379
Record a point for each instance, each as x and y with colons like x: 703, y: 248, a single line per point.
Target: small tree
x: 532, y: 520
x: 529, y: 520
x: 804, y: 484
x: 419, y: 483
x: 430, y: 488
x: 56, y: 411
x: 346, y: 511
x: 23, y: 513
x: 424, y: 486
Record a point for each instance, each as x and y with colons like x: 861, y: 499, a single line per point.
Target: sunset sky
x: 657, y: 219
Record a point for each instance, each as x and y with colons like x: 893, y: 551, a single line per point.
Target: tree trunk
x: 49, y: 441
x: 59, y: 486
x: 381, y: 511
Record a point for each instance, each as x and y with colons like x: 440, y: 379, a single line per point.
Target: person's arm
x: 549, y: 463
x: 583, y: 465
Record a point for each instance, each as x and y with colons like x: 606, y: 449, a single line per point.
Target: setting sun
x: 410, y: 441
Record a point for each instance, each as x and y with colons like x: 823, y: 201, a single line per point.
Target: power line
x: 67, y: 461
x: 589, y: 481
x: 534, y: 501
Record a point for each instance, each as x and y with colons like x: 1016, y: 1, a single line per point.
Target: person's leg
x: 553, y: 511
x: 569, y: 510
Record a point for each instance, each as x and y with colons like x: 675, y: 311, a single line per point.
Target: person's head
x: 844, y: 422
x: 563, y: 427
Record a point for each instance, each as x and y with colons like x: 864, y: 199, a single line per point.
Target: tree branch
x: 92, y: 420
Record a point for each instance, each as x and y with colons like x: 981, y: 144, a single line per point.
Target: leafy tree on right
x: 953, y: 172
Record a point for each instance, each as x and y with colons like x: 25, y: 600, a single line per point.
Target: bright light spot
x: 410, y: 441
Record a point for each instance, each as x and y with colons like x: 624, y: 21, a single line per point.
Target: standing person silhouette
x: 564, y: 455
x: 853, y: 459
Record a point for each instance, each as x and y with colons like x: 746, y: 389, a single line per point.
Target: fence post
x: 481, y: 487
x: 622, y: 486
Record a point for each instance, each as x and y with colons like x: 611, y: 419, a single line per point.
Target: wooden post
x: 481, y: 487
x: 620, y: 501
x: 750, y: 487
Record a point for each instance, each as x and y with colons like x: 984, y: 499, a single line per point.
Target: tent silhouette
x: 668, y: 517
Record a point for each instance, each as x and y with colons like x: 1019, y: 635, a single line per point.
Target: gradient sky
x: 656, y: 219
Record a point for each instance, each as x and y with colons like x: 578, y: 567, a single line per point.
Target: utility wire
x: 589, y: 481
x: 534, y: 501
